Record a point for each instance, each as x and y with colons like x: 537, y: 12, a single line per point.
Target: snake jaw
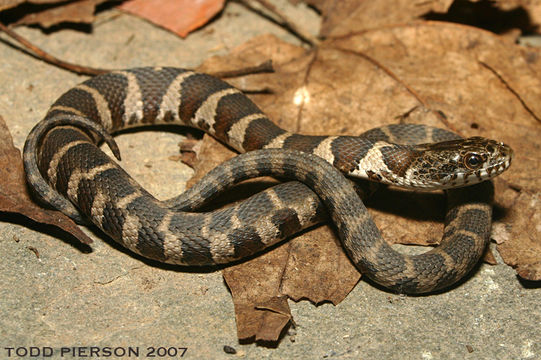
x: 470, y: 161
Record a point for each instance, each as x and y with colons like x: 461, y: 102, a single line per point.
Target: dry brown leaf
x: 489, y: 257
x: 522, y: 249
x: 14, y: 197
x: 261, y: 310
x: 348, y: 16
x: 178, y: 16
x: 73, y: 12
x: 519, y: 240
x: 307, y: 267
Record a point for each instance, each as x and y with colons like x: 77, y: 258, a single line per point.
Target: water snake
x: 66, y: 170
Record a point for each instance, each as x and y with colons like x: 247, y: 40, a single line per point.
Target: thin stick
x: 265, y: 67
x: 40, y: 54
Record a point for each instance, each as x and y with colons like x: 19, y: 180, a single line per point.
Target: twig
x: 284, y: 21
x: 40, y: 54
x: 265, y: 67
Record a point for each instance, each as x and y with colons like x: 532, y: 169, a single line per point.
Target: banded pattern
x: 66, y: 170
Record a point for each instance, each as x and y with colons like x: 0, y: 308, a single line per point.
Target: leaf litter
x: 370, y: 71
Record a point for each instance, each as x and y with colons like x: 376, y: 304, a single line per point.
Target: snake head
x: 461, y: 162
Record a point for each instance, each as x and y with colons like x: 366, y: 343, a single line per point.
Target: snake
x: 65, y: 169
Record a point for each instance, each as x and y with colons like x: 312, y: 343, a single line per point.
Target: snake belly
x: 67, y: 170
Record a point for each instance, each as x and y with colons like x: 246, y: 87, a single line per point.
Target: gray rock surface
x: 106, y: 297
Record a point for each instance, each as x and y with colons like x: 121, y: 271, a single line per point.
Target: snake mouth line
x: 474, y: 177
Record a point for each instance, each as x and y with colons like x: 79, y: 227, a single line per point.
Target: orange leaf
x: 178, y: 16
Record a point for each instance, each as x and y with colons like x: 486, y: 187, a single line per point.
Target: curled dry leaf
x: 178, y: 16
x: 14, y: 196
x: 352, y: 84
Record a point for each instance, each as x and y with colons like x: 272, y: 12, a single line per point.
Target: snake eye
x: 473, y: 161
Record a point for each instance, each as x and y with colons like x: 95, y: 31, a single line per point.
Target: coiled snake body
x: 66, y: 170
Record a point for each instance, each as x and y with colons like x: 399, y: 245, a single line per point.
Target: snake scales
x: 67, y: 170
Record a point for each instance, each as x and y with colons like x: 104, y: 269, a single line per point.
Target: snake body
x: 67, y: 170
